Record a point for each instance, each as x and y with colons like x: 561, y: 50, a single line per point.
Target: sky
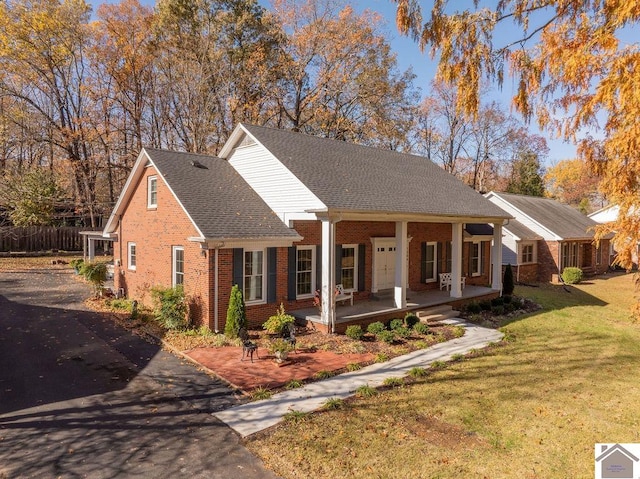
x: 409, y: 56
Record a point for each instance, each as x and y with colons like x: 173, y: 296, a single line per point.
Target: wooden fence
x: 40, y: 238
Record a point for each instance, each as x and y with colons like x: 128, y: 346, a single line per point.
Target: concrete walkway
x: 256, y: 416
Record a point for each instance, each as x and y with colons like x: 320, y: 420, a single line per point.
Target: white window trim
x: 129, y: 265
x: 479, y: 272
x: 435, y: 262
x: 534, y: 252
x: 151, y: 179
x: 264, y: 276
x: 355, y: 267
x: 174, y: 270
x: 311, y: 248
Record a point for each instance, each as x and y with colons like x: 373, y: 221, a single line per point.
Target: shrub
x: 497, y: 302
x: 236, y: 313
x: 354, y: 332
x: 386, y: 336
x: 498, y: 310
x: 572, y: 275
x: 485, y: 305
x: 276, y: 324
x: 293, y: 384
x: 366, y: 391
x: 375, y: 328
x: 96, y: 274
x: 353, y: 367
x: 170, y: 307
x: 438, y: 365
x: 395, y: 324
x: 324, y: 374
x: 507, y: 299
x: 417, y: 372
x: 119, y: 304
x: 261, y: 393
x: 410, y: 320
x: 507, y: 281
x: 474, y: 308
x: 77, y: 264
x: 458, y: 331
x: 421, y: 328
x: 403, y: 332
x: 295, y: 417
x: 393, y: 382
x: 333, y: 403
x: 381, y: 358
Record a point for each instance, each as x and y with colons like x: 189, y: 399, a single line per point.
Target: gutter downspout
x: 215, y: 291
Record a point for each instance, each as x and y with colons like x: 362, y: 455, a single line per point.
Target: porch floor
x: 362, y: 309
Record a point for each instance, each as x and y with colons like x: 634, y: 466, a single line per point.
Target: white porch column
x: 328, y: 274
x: 496, y: 258
x: 92, y: 248
x: 456, y: 260
x: 400, y: 288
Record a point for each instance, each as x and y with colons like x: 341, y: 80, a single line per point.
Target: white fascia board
x: 125, y: 194
x: 289, y: 218
x: 229, y: 145
x: 354, y: 215
x: 276, y: 242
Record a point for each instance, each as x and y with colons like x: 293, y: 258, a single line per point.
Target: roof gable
x: 561, y: 220
x: 350, y: 177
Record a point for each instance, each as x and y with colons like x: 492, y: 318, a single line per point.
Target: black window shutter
x: 469, y: 259
x: 448, y: 268
x: 272, y: 261
x: 292, y: 267
x: 361, y: 268
x: 440, y: 258
x: 423, y: 262
x: 338, y: 260
x: 238, y: 266
x: 483, y: 254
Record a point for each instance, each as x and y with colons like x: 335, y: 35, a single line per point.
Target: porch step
x: 437, y: 313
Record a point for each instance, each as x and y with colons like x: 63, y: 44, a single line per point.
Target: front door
x: 384, y: 263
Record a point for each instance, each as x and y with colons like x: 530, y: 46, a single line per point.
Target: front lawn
x: 533, y: 407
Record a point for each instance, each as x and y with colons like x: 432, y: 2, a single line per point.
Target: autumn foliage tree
x: 571, y: 182
x: 571, y: 69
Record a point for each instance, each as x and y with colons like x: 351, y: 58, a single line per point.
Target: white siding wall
x: 606, y: 215
x: 277, y: 186
x: 532, y: 225
x: 509, y: 250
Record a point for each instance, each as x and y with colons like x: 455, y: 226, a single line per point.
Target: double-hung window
x: 431, y: 263
x: 152, y: 192
x: 476, y: 259
x: 349, y: 267
x: 527, y: 253
x: 254, y: 281
x: 305, y: 274
x: 131, y: 255
x: 178, y: 265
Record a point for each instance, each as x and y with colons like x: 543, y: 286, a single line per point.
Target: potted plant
x: 280, y: 349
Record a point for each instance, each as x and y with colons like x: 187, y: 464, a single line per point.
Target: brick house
x: 546, y: 237
x: 284, y: 215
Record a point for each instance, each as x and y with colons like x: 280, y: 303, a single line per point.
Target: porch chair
x: 248, y: 346
x: 341, y: 295
x: 445, y: 281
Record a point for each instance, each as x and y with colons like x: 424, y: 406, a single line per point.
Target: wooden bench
x: 445, y: 281
x: 341, y: 295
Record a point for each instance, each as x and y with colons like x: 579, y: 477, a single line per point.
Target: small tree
x: 236, y: 313
x: 96, y: 274
x: 507, y: 282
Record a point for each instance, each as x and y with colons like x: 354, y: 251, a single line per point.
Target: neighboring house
x: 546, y: 237
x: 609, y: 214
x: 284, y: 214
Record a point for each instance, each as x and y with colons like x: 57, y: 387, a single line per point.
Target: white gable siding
x: 525, y: 220
x: 605, y: 215
x: 509, y: 250
x: 278, y: 187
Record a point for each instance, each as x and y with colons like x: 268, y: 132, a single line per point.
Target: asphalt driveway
x: 82, y: 397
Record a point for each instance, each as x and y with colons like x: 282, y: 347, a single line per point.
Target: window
x: 305, y: 277
x: 527, y: 253
x: 254, y: 276
x: 349, y: 267
x: 131, y: 255
x: 178, y: 265
x: 152, y: 192
x: 431, y: 264
x: 476, y: 259
x: 569, y: 255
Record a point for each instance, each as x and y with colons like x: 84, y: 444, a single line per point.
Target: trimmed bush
x: 507, y: 299
x: 170, y: 307
x: 474, y: 308
x: 276, y: 324
x: 507, y: 281
x: 386, y: 336
x: 96, y: 274
x: 354, y: 332
x: 485, y: 305
x: 421, y: 328
x: 395, y: 324
x: 236, y: 313
x: 572, y: 275
x: 375, y: 328
x: 410, y: 320
x: 402, y: 332
x: 497, y: 302
x: 498, y: 310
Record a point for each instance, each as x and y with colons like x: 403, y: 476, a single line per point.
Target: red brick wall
x: 547, y: 260
x: 525, y: 273
x: 155, y: 232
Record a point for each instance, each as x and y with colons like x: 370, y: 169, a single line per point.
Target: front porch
x: 383, y: 309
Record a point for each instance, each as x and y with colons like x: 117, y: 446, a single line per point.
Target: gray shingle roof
x: 563, y: 220
x: 217, y: 198
x: 352, y: 177
x: 521, y: 231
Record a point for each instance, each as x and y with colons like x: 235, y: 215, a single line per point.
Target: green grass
x: 531, y: 407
